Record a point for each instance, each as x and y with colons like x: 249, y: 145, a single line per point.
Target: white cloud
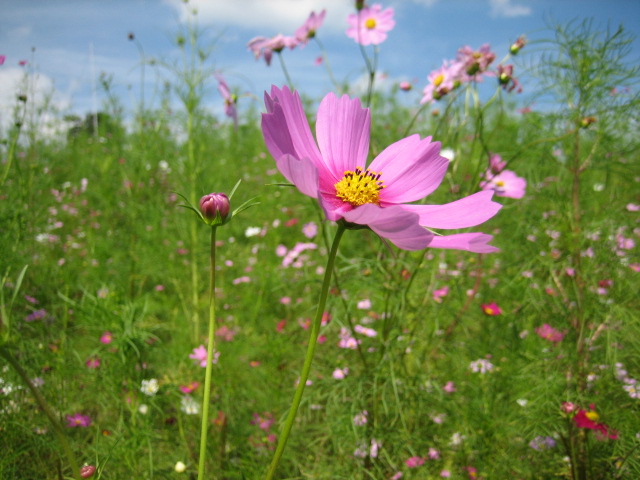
x: 39, y: 91
x: 504, y: 8
x: 283, y: 15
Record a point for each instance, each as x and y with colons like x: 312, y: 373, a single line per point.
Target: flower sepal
x: 215, y: 207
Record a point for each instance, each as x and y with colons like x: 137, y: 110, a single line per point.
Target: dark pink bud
x: 87, y: 471
x: 214, y: 208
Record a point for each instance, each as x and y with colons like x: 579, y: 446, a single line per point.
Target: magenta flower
x: 308, y: 30
x: 370, y: 25
x: 492, y: 309
x: 414, y: 462
x: 333, y: 171
x: 230, y: 100
x: 78, y: 420
x: 106, y: 338
x: 506, y: 79
x: 2, y: 59
x: 505, y: 184
x: 547, y: 332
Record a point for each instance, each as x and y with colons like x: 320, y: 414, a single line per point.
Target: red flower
x: 589, y: 419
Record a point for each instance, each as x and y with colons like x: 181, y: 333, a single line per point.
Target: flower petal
x: 342, y: 130
x: 393, y: 223
x: 285, y: 127
x: 466, y: 212
x: 302, y: 173
x: 471, y: 242
x: 411, y: 169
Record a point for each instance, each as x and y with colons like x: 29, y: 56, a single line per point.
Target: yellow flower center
x: 438, y: 80
x: 500, y: 183
x: 593, y: 416
x: 359, y: 187
x: 370, y: 23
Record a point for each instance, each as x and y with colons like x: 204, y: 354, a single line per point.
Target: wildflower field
x: 436, y: 281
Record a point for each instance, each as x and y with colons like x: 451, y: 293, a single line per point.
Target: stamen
x: 359, y: 187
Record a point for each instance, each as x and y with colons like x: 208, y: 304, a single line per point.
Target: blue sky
x: 76, y: 40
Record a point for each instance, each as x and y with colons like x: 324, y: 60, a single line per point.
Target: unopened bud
x: 87, y: 471
x: 214, y: 208
x: 359, y: 4
x: 405, y: 86
x: 518, y: 44
x: 586, y: 121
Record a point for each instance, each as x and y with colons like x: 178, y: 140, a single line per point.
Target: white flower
x: 149, y: 387
x: 180, y: 467
x: 252, y: 231
x: 143, y: 408
x: 448, y: 153
x: 522, y: 402
x: 189, y: 406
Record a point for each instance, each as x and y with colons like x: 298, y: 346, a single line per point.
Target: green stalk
x: 285, y: 71
x: 42, y: 403
x: 306, y: 367
x: 209, y: 368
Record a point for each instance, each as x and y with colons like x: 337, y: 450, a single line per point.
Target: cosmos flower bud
x: 87, y: 471
x: 214, y: 208
x: 359, y: 4
x: 517, y: 45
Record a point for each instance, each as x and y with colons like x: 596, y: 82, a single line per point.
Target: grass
x: 97, y: 223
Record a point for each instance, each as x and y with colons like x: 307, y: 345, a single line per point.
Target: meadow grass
x: 96, y: 221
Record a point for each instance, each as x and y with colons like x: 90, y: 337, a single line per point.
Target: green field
x: 524, y: 367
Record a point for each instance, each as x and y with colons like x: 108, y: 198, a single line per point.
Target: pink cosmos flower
x: 200, y: 356
x: 547, y: 332
x: 333, y: 171
x: 505, y: 184
x: 413, y: 462
x: 405, y: 86
x: 93, y: 362
x: 475, y: 62
x: 442, y: 81
x: 78, y: 420
x: 262, y: 46
x: 308, y: 30
x: 106, y: 338
x: 370, y: 25
x: 310, y: 230
x: 190, y: 388
x: 2, y: 59
x: 496, y: 164
x: 492, y: 309
x: 440, y: 293
x: 230, y: 100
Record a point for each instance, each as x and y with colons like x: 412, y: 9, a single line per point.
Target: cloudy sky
x: 69, y: 43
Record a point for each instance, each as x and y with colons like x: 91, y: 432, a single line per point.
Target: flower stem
x: 42, y: 403
x: 209, y: 368
x: 306, y: 367
x: 286, y: 72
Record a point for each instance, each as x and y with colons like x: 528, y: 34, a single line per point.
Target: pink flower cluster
x: 265, y: 47
x: 469, y: 66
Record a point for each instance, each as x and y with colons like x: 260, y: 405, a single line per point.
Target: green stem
x: 325, y: 61
x: 42, y: 403
x: 306, y: 367
x: 286, y: 72
x: 207, y: 375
